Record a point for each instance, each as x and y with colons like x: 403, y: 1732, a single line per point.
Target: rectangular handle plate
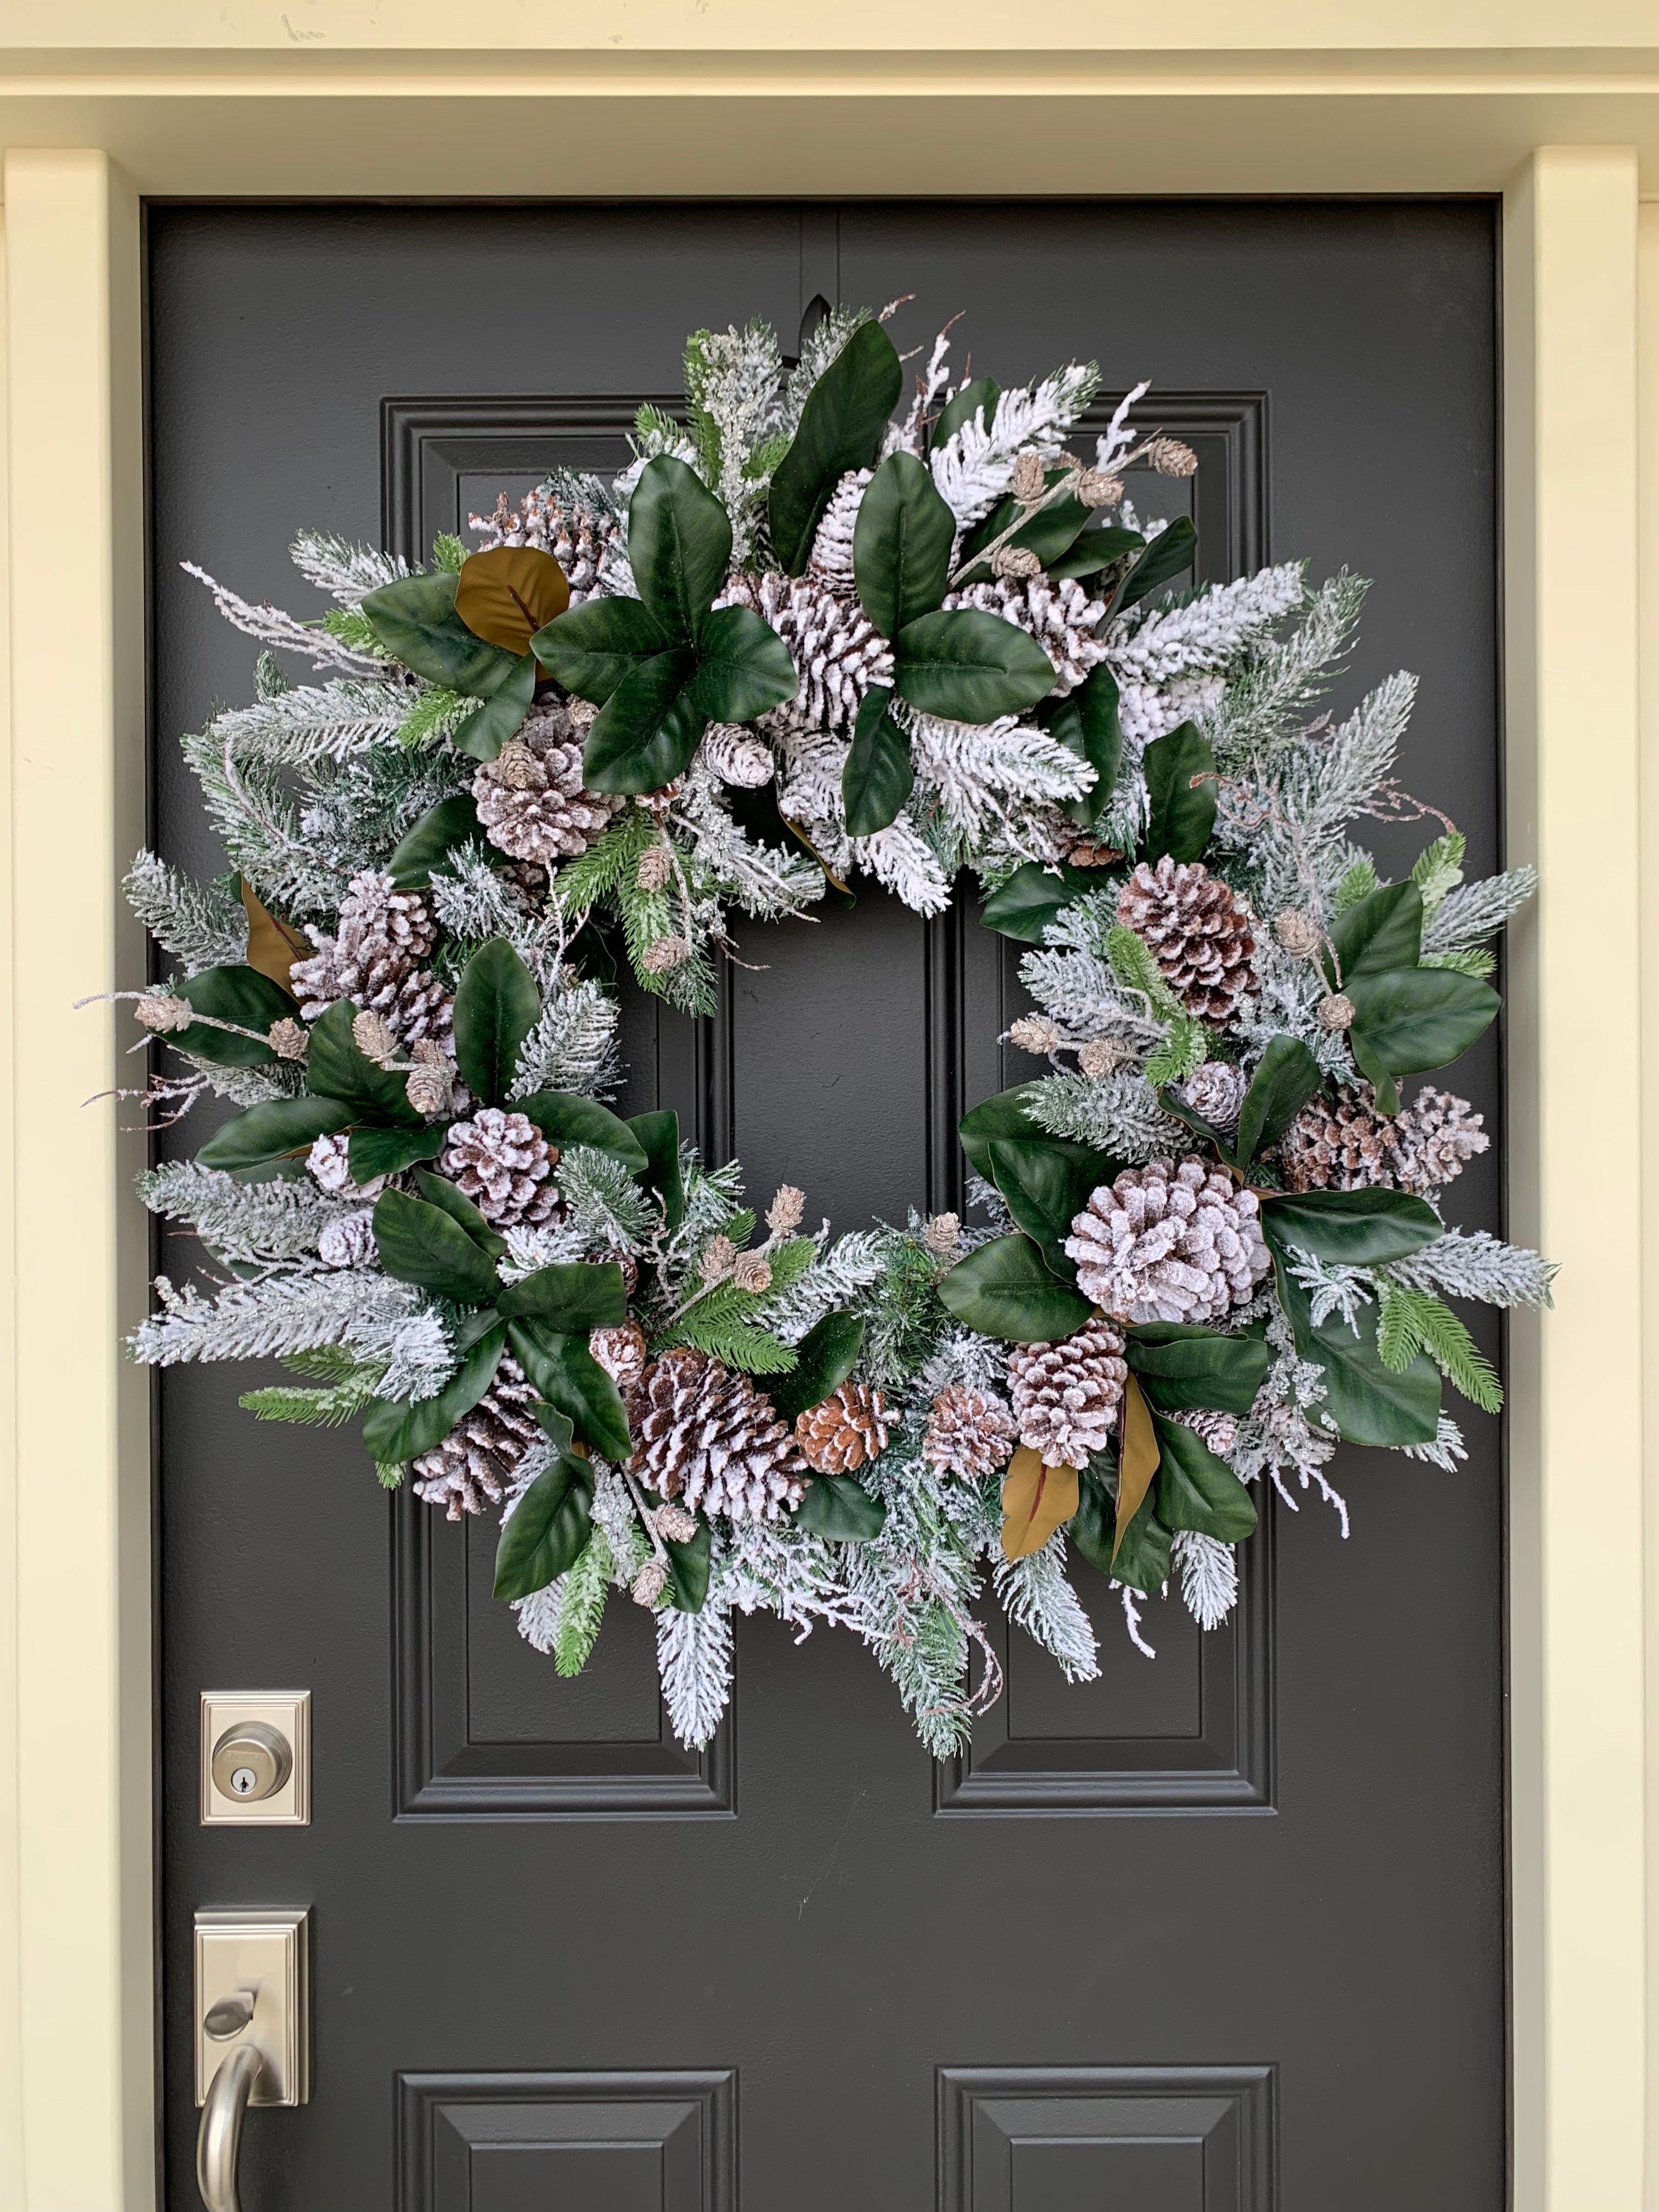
x: 262, y: 1955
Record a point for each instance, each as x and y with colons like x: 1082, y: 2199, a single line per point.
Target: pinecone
x: 621, y: 1353
x: 1197, y: 931
x: 832, y: 547
x: 384, y: 934
x: 848, y: 1428
x: 1169, y: 1243
x: 1217, y: 1092
x: 422, y: 1011
x: 1434, y: 1138
x: 530, y: 797
x: 1057, y: 612
x: 588, y: 545
x: 1219, y: 1430
x: 1083, y: 848
x: 348, y: 1240
x: 1067, y: 1395
x: 505, y: 1166
x: 736, y: 757
x: 837, y: 651
x: 968, y: 1433
x: 480, y: 1456
x: 1345, y: 1147
x: 706, y: 1434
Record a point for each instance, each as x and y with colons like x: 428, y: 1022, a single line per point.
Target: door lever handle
x: 219, y: 2138
x: 252, y: 2033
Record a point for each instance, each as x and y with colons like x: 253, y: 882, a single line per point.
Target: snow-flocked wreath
x: 938, y: 640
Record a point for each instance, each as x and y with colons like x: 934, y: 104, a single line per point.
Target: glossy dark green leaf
x: 448, y: 1198
x: 901, y: 543
x: 574, y: 1295
x: 1286, y: 1077
x: 967, y: 667
x: 1182, y: 810
x: 592, y: 648
x: 1181, y: 1366
x: 647, y: 730
x: 549, y: 1528
x: 451, y: 821
x: 679, y: 546
x: 1169, y: 552
x: 560, y: 1365
x: 1044, y: 1189
x: 840, y: 428
x: 1369, y: 1402
x: 841, y: 1509
x: 558, y: 1428
x: 657, y: 1136
x: 1355, y: 1227
x: 496, y: 1006
x: 497, y: 718
x: 1092, y: 551
x: 397, y: 1430
x: 1086, y: 723
x: 238, y: 994
x: 1141, y: 1560
x: 419, y: 1243
x: 336, y: 1068
x: 276, y: 1131
x: 688, y: 1570
x: 877, y: 777
x: 1033, y: 895
x: 1382, y: 930
x: 1197, y: 1490
x: 1375, y: 1071
x: 1049, y: 533
x: 566, y: 1120
x: 416, y: 619
x: 978, y: 396
x: 1415, y: 1019
x: 1092, y: 1529
x: 1004, y: 1288
x: 825, y: 1356
x: 372, y: 1152
x: 744, y: 667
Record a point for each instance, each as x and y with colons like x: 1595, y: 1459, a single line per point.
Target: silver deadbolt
x: 251, y: 1760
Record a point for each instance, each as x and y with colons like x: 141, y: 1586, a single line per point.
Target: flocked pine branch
x: 972, y: 467
x: 201, y: 925
x: 1473, y: 912
x: 272, y: 626
x: 346, y: 572
x: 1473, y: 1264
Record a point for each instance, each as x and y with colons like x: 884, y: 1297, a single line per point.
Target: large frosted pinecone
x: 1199, y: 930
x: 505, y: 1166
x: 848, y: 1428
x: 837, y: 651
x: 1169, y: 1243
x: 477, y: 1460
x: 587, y: 546
x: 383, y: 936
x: 970, y: 1432
x: 530, y: 797
x: 707, y: 1435
x: 1349, y: 1146
x: 1057, y: 612
x: 1067, y: 1395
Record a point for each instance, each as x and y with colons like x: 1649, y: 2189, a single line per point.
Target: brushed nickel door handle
x: 219, y: 2138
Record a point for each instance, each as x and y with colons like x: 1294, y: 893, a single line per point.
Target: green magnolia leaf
x: 1142, y: 1558
x: 591, y: 650
x: 744, y: 667
x: 574, y: 1295
x: 558, y: 1428
x: 1086, y: 723
x: 902, y: 543
x: 549, y: 1531
x: 967, y: 667
x: 1169, y: 552
x: 496, y: 1006
x: 1357, y: 1227
x: 1182, y: 1366
x: 1006, y: 1290
x: 647, y: 731
x: 1094, y: 549
x: 1049, y: 533
x: 336, y: 1068
x: 1286, y: 1077
x: 439, y: 1191
x: 1033, y: 895
x: 416, y: 619
x: 841, y: 1509
x: 679, y: 546
x: 397, y: 1430
x: 1197, y: 1490
x: 840, y: 428
x: 825, y: 1356
x: 1414, y: 1018
x: 566, y: 1120
x: 451, y: 821
x: 657, y: 1136
x: 1182, y: 812
x: 979, y: 397
x: 564, y: 1370
x: 276, y: 1131
x: 1045, y: 1189
x: 490, y: 724
x: 877, y: 777
x: 419, y: 1243
x: 1374, y: 1068
x: 1377, y: 933
x: 1370, y: 1403
x: 1005, y: 1116
x: 372, y: 1152
x: 1092, y: 1529
x: 688, y: 1570
x: 240, y: 994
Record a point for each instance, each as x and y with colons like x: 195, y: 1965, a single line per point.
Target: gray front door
x: 1222, y: 1932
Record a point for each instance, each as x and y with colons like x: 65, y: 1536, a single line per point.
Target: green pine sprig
x: 1358, y: 883
x: 586, y: 1586
x: 1410, y: 1322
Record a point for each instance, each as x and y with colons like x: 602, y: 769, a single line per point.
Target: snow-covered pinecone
x: 478, y: 1458
x: 706, y: 1434
x: 1057, y: 612
x: 1067, y: 1395
x: 1346, y: 1146
x: 1197, y: 931
x: 1434, y: 1138
x: 383, y: 936
x: 831, y: 561
x: 585, y: 544
x: 736, y: 756
x: 1217, y: 1092
x: 837, y: 651
x: 970, y: 1433
x: 329, y: 1162
x: 849, y: 1427
x: 1086, y: 848
x: 348, y: 1241
x: 505, y: 1166
x: 530, y: 797
x: 1169, y: 1243
x: 1219, y: 1430
x: 423, y: 1009
x: 621, y: 1351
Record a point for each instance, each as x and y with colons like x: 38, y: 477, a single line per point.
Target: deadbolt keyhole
x: 251, y: 1760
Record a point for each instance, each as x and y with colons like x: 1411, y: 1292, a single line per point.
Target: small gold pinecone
x: 968, y: 1433
x: 505, y: 1166
x: 707, y: 1435
x: 621, y: 1351
x: 1345, y: 1147
x: 1197, y: 931
x: 850, y: 1427
x: 1067, y: 1395
x: 530, y: 797
x: 475, y: 1463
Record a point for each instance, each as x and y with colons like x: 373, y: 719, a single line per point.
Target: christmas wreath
x: 1209, y: 1245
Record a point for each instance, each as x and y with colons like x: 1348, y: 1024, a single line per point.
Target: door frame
x: 89, y: 130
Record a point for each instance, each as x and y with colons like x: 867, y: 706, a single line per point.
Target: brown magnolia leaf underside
x: 1036, y: 1501
x: 272, y: 946
x: 1137, y: 1462
x: 505, y: 595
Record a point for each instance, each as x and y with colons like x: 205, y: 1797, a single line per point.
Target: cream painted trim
x: 1648, y: 502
